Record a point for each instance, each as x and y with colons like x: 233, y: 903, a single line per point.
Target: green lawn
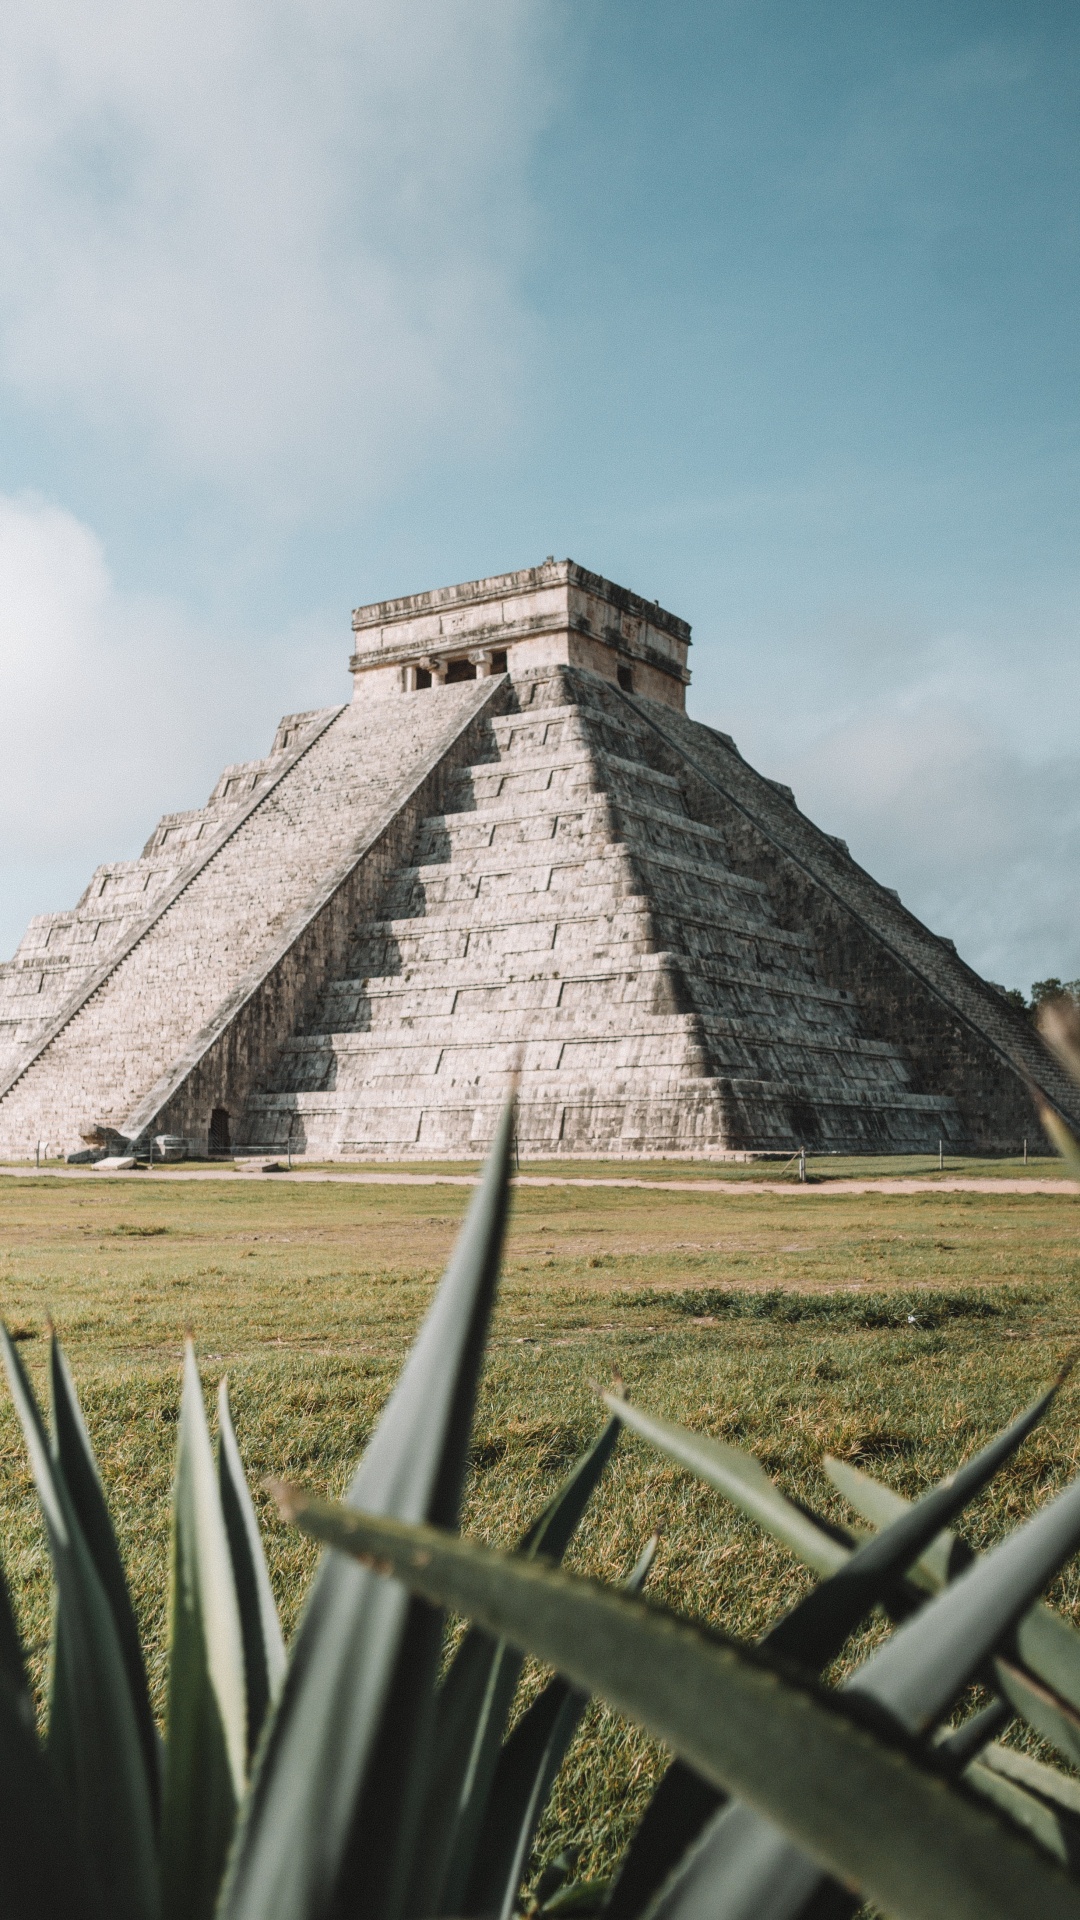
x: 780, y: 1321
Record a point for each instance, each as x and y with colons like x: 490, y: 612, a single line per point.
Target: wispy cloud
x: 278, y: 245
x: 264, y: 257
x: 116, y: 707
x: 952, y: 780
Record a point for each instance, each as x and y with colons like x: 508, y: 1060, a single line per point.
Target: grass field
x: 899, y: 1330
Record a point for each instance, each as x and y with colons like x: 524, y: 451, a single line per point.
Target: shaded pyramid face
x: 570, y: 919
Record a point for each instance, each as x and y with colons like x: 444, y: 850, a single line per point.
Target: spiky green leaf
x: 264, y: 1647
x: 474, y: 1707
x: 206, y: 1742
x: 1047, y: 1644
x: 817, y: 1627
x: 734, y: 1866
x: 527, y: 1768
x: 746, y: 1867
x: 75, y: 1455
x: 1057, y: 1831
x: 742, y: 1480
x: 41, y: 1872
x: 860, y: 1807
x: 99, y: 1755
x: 678, y: 1812
x: 1042, y: 1708
x: 333, y: 1810
x: 1062, y: 1789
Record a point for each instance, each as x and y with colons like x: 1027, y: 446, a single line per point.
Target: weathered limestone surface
x: 512, y: 855
x: 195, y: 994
x: 593, y: 913
x: 61, y: 953
x: 558, y: 614
x: 958, y: 1033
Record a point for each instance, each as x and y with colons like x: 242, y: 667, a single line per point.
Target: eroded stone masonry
x: 510, y: 853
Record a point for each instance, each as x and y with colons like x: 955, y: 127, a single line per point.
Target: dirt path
x: 730, y: 1188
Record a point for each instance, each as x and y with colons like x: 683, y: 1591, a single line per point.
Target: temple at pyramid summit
x: 511, y: 853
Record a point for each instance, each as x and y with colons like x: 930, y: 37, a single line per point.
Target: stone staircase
x: 61, y: 953
x: 228, y: 928
x: 566, y: 920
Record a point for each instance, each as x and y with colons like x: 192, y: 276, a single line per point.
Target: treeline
x: 1043, y: 991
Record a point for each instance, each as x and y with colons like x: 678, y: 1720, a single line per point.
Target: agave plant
x: 804, y: 1798
x: 789, y: 1799
x: 360, y: 1773
x: 351, y: 1774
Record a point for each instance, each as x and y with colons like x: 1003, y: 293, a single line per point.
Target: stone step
x: 425, y: 1087
x: 363, y: 1060
x: 549, y: 978
x: 540, y: 730
x: 555, y: 1025
x: 488, y: 1026
x: 593, y: 861
x: 539, y: 814
x: 592, y: 877
x: 492, y: 783
x: 572, y: 942
x: 491, y: 912
x: 591, y: 884
x: 422, y: 1118
x: 560, y: 1040
x: 575, y: 1122
x: 455, y: 936
x: 420, y: 1087
x: 450, y: 837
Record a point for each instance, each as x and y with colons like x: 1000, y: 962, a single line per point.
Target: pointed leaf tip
x: 1067, y: 1366
x: 206, y: 1753
x: 850, y: 1799
x: 287, y: 1497
x: 264, y: 1646
x: 364, y: 1664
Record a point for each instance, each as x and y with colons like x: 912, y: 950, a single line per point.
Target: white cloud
x: 277, y: 243
x: 981, y: 839
x: 948, y: 760
x: 117, y: 708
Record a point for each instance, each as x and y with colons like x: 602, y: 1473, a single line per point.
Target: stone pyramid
x: 511, y: 855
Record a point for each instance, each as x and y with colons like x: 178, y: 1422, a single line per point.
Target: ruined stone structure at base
x: 511, y: 854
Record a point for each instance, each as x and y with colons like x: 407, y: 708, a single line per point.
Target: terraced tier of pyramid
x: 568, y: 921
x: 512, y: 858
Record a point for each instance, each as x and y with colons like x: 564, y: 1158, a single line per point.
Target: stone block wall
x: 574, y: 918
x: 909, y: 986
x: 120, y: 1050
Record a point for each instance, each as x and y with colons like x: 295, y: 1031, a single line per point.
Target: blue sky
x: 766, y: 310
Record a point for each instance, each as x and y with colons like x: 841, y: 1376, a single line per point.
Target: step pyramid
x: 511, y: 860
x: 159, y: 1011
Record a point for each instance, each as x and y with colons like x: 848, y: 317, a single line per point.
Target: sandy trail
x: 730, y: 1188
